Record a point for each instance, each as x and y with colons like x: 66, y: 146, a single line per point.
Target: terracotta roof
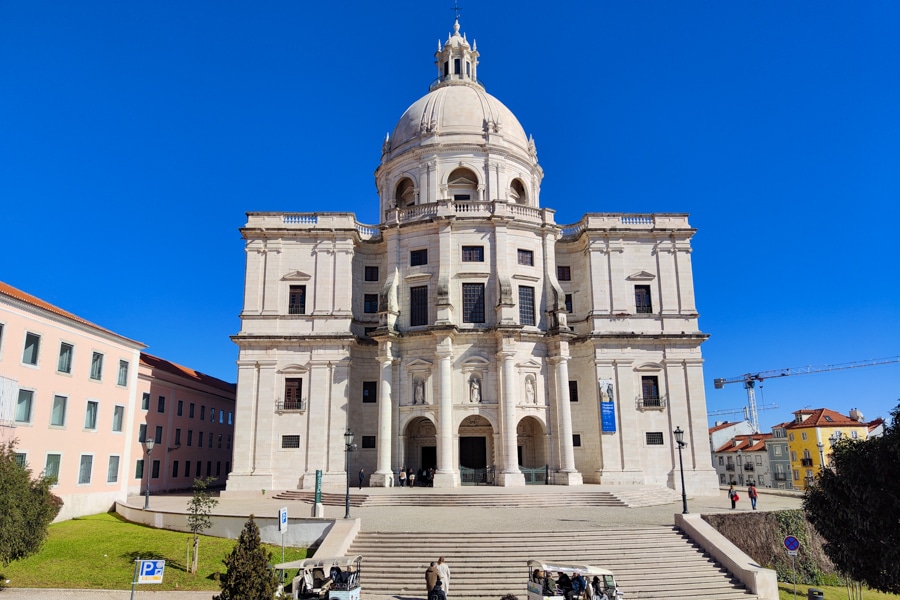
x: 724, y: 425
x: 759, y: 443
x: 162, y: 364
x: 824, y: 417
x: 17, y: 294
x: 874, y: 423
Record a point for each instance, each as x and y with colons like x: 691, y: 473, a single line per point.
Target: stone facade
x: 468, y: 330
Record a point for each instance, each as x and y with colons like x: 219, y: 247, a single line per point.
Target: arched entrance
x: 532, y: 449
x: 421, y: 444
x: 476, y: 451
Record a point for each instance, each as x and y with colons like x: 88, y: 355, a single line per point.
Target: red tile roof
x: 10, y: 291
x: 823, y: 417
x: 162, y: 364
x: 724, y: 425
x: 874, y: 423
x: 759, y: 443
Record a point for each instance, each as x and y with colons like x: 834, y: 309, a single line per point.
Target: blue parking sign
x: 151, y: 571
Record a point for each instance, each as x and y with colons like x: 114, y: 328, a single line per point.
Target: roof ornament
x: 457, y: 9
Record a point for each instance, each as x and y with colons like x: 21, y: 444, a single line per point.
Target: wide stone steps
x: 404, y: 497
x: 649, y: 562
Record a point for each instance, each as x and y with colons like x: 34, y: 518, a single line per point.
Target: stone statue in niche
x: 475, y: 391
x: 418, y: 392
x: 529, y: 391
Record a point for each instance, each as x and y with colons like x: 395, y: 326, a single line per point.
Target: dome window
x: 463, y: 185
x: 406, y: 193
x: 517, y: 192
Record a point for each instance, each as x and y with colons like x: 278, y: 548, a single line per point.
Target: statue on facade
x: 419, y: 392
x: 475, y: 391
x: 529, y: 391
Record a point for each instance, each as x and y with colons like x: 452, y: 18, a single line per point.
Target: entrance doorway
x: 429, y: 457
x: 473, y: 452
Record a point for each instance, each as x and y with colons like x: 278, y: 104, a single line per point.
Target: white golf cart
x: 325, y: 578
x: 543, y: 581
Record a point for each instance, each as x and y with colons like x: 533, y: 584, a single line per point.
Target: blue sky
x: 135, y: 135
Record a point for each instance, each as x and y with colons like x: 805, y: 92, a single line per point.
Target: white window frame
x: 65, y: 409
x: 92, y: 425
x: 123, y: 370
x: 109, y: 471
x: 71, y: 364
x: 37, y: 352
x: 94, y: 361
x: 58, y: 465
x: 81, y: 469
x: 30, y: 407
x: 119, y: 410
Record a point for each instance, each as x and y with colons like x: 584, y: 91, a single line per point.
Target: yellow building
x: 812, y: 434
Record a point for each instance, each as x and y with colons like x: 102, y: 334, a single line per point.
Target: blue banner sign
x: 608, y: 417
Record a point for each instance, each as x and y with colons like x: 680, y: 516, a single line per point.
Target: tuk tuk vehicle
x: 325, y: 578
x: 543, y: 581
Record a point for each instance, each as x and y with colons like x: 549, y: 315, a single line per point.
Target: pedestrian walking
x: 431, y: 577
x: 733, y: 496
x: 411, y: 477
x: 362, y: 476
x: 437, y: 593
x: 444, y: 571
x: 751, y: 493
x: 402, y: 476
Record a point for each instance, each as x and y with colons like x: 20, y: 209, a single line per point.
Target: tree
x: 248, y: 576
x: 26, y: 507
x: 856, y: 508
x: 199, y: 520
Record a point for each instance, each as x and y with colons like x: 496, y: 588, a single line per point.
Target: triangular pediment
x: 641, y: 276
x: 419, y: 363
x: 530, y: 364
x: 297, y: 276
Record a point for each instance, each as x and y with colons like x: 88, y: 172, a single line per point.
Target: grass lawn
x: 786, y: 592
x: 98, y: 552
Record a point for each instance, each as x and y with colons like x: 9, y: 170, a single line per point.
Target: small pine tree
x: 199, y: 520
x: 247, y: 575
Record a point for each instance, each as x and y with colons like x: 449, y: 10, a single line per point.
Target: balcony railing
x: 290, y: 406
x: 806, y: 462
x: 729, y: 467
x: 748, y: 467
x: 780, y: 476
x: 650, y: 402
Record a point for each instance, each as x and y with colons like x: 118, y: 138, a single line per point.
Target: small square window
x: 32, y: 349
x: 370, y: 303
x: 368, y: 442
x: 22, y: 459
x: 123, y: 373
x: 576, y: 440
x: 418, y: 258
x: 297, y: 300
x: 97, y: 366
x: 525, y: 257
x: 66, y: 351
x: 370, y: 392
x: 654, y: 438
x: 371, y: 273
x: 564, y: 273
x: 473, y: 253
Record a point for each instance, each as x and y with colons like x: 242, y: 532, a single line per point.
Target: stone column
x: 567, y: 474
x: 509, y: 475
x: 384, y: 475
x: 446, y: 475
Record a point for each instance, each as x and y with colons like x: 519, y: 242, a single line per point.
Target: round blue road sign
x: 791, y: 543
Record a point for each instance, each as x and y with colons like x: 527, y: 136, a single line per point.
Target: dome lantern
x: 456, y: 61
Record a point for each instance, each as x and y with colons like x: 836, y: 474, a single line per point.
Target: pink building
x: 73, y: 394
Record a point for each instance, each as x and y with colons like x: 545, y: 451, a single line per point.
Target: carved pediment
x: 530, y: 365
x: 641, y: 276
x: 418, y: 363
x: 649, y: 367
x: 476, y: 361
x: 296, y: 276
x: 293, y: 369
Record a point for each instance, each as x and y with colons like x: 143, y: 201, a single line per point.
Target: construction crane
x: 749, y: 380
x: 726, y: 412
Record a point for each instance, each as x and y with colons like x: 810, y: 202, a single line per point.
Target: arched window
x: 463, y: 184
x: 406, y: 193
x: 517, y: 192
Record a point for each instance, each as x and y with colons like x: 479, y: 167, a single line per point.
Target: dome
x: 462, y: 111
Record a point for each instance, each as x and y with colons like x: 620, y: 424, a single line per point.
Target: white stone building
x: 468, y: 330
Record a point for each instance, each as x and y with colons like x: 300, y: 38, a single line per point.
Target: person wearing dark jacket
x: 431, y: 577
x: 578, y: 586
x: 437, y: 593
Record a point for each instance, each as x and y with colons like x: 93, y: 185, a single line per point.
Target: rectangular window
x: 526, y: 305
x: 803, y: 435
x: 525, y: 257
x: 64, y: 365
x: 228, y: 442
x: 23, y: 406
x: 97, y: 366
x: 200, y: 439
x: 654, y: 438
x: 791, y: 437
x: 219, y: 441
x: 190, y: 439
x: 202, y: 413
x: 221, y: 416
x: 650, y: 391
x: 227, y: 467
x: 139, y: 469
x: 368, y: 442
x: 793, y: 456
x: 564, y: 273
x: 370, y: 392
x: 187, y: 468
x: 370, y: 302
x: 191, y: 411
x: 573, y: 391
x: 84, y: 470
x: 796, y: 475
x: 51, y: 467
x: 569, y: 303
x: 418, y: 258
x: 418, y: 305
x: 158, y: 437
x: 758, y: 459
x: 175, y: 468
x: 210, y: 439
x: 371, y: 273
x: 293, y: 387
x: 58, y: 414
x: 161, y: 404
x: 290, y: 441
x: 32, y: 349
x: 123, y: 373
x: 642, y: 299
x: 22, y: 459
x: 90, y: 415
x: 197, y: 470
x: 112, y: 470
x: 155, y: 472
x: 118, y: 418
x: 721, y: 461
x: 180, y: 408
x: 473, y: 253
x: 209, y: 468
x: 218, y: 468
x: 177, y: 437
x: 230, y: 417
x: 473, y: 302
x: 576, y: 440
x: 777, y: 450
x: 212, y: 415
x: 145, y: 401
x: 297, y: 300
x: 142, y: 433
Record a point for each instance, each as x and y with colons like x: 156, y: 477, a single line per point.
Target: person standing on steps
x: 444, y: 571
x: 431, y: 577
x: 411, y: 478
x: 751, y: 493
x: 732, y: 495
x: 362, y: 476
x: 402, y: 476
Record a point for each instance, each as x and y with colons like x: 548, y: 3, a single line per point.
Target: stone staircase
x: 648, y: 562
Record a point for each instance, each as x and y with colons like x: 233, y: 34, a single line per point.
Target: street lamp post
x: 148, y: 443
x: 348, y: 446
x: 679, y: 439
x: 740, y: 454
x: 821, y: 447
